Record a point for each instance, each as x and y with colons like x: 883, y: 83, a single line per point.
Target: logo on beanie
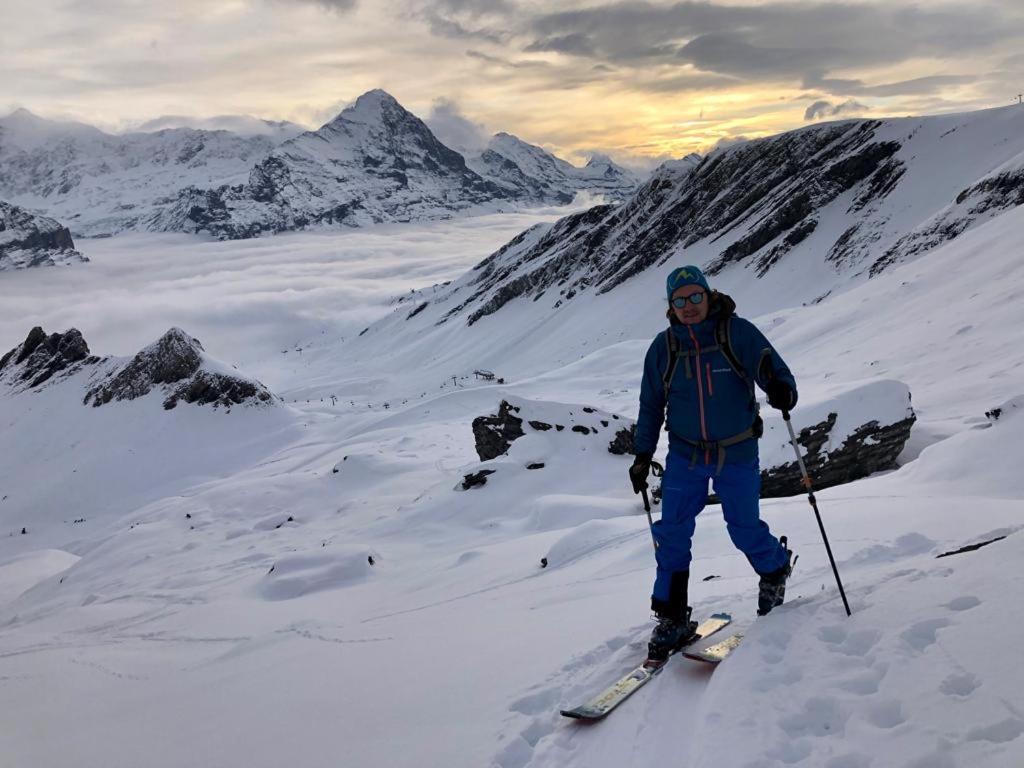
x: 684, y: 274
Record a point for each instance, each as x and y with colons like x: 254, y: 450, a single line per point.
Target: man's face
x: 690, y: 313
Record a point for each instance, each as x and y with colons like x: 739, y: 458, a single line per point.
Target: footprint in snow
x: 960, y: 685
x: 998, y: 733
x: 964, y: 603
x: 922, y: 634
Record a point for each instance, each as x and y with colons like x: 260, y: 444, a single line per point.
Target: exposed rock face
x: 41, y: 357
x: 28, y: 240
x: 871, y: 448
x: 176, y: 363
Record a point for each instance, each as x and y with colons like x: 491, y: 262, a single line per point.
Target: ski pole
x: 657, y: 470
x: 814, y: 506
x: 767, y: 371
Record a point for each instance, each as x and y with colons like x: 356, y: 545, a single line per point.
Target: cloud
x: 916, y: 87
x: 335, y: 6
x: 575, y: 43
x: 455, y: 129
x: 772, y: 40
x: 822, y: 108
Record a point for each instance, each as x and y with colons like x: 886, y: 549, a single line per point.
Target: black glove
x: 639, y: 471
x: 780, y: 395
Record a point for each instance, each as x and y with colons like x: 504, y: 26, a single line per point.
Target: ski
x: 599, y: 706
x: 715, y: 653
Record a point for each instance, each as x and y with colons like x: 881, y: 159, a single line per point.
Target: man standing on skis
x: 699, y: 378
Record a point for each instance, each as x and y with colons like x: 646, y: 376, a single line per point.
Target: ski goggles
x: 694, y: 298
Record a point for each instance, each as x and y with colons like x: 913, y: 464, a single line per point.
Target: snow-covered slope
x: 98, y: 183
x: 245, y: 567
x: 286, y: 585
x: 28, y: 240
x: 532, y: 173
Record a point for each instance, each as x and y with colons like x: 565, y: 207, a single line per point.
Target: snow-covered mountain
x: 99, y: 183
x: 374, y: 162
x: 238, y: 176
x: 535, y: 174
x: 799, y: 214
x: 243, y: 125
x: 27, y: 240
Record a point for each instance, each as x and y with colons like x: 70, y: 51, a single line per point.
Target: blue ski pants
x: 684, y: 492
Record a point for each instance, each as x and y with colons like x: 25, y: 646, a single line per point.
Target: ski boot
x: 671, y: 634
x: 772, y: 589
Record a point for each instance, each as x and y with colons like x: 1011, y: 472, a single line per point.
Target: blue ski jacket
x: 708, y: 400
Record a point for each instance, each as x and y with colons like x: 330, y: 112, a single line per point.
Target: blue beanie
x: 688, y: 275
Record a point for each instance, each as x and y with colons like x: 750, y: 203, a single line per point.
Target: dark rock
x: 417, y: 310
x: 30, y: 240
x: 581, y: 429
x: 622, y: 444
x: 475, y: 479
x: 540, y: 426
x: 536, y: 465
x: 40, y: 357
x: 494, y: 434
x: 174, y: 364
x: 870, y: 448
x: 971, y: 547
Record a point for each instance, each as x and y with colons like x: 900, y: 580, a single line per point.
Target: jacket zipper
x: 711, y: 389
x: 700, y: 397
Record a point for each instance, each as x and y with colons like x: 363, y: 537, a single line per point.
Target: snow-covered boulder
x: 845, y: 438
x: 28, y: 240
x: 179, y: 367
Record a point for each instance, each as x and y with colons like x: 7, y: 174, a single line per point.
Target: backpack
x: 723, y: 342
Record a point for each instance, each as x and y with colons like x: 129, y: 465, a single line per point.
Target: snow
x: 218, y: 606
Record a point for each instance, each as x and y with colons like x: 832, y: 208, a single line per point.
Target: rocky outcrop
x: 28, y: 240
x: 177, y: 365
x: 494, y: 434
x: 871, y: 448
x: 995, y: 193
x: 41, y: 358
x: 851, y: 436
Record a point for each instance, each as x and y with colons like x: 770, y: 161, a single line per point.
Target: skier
x: 699, y: 377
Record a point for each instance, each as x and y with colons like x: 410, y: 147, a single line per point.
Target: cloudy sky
x: 639, y: 80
